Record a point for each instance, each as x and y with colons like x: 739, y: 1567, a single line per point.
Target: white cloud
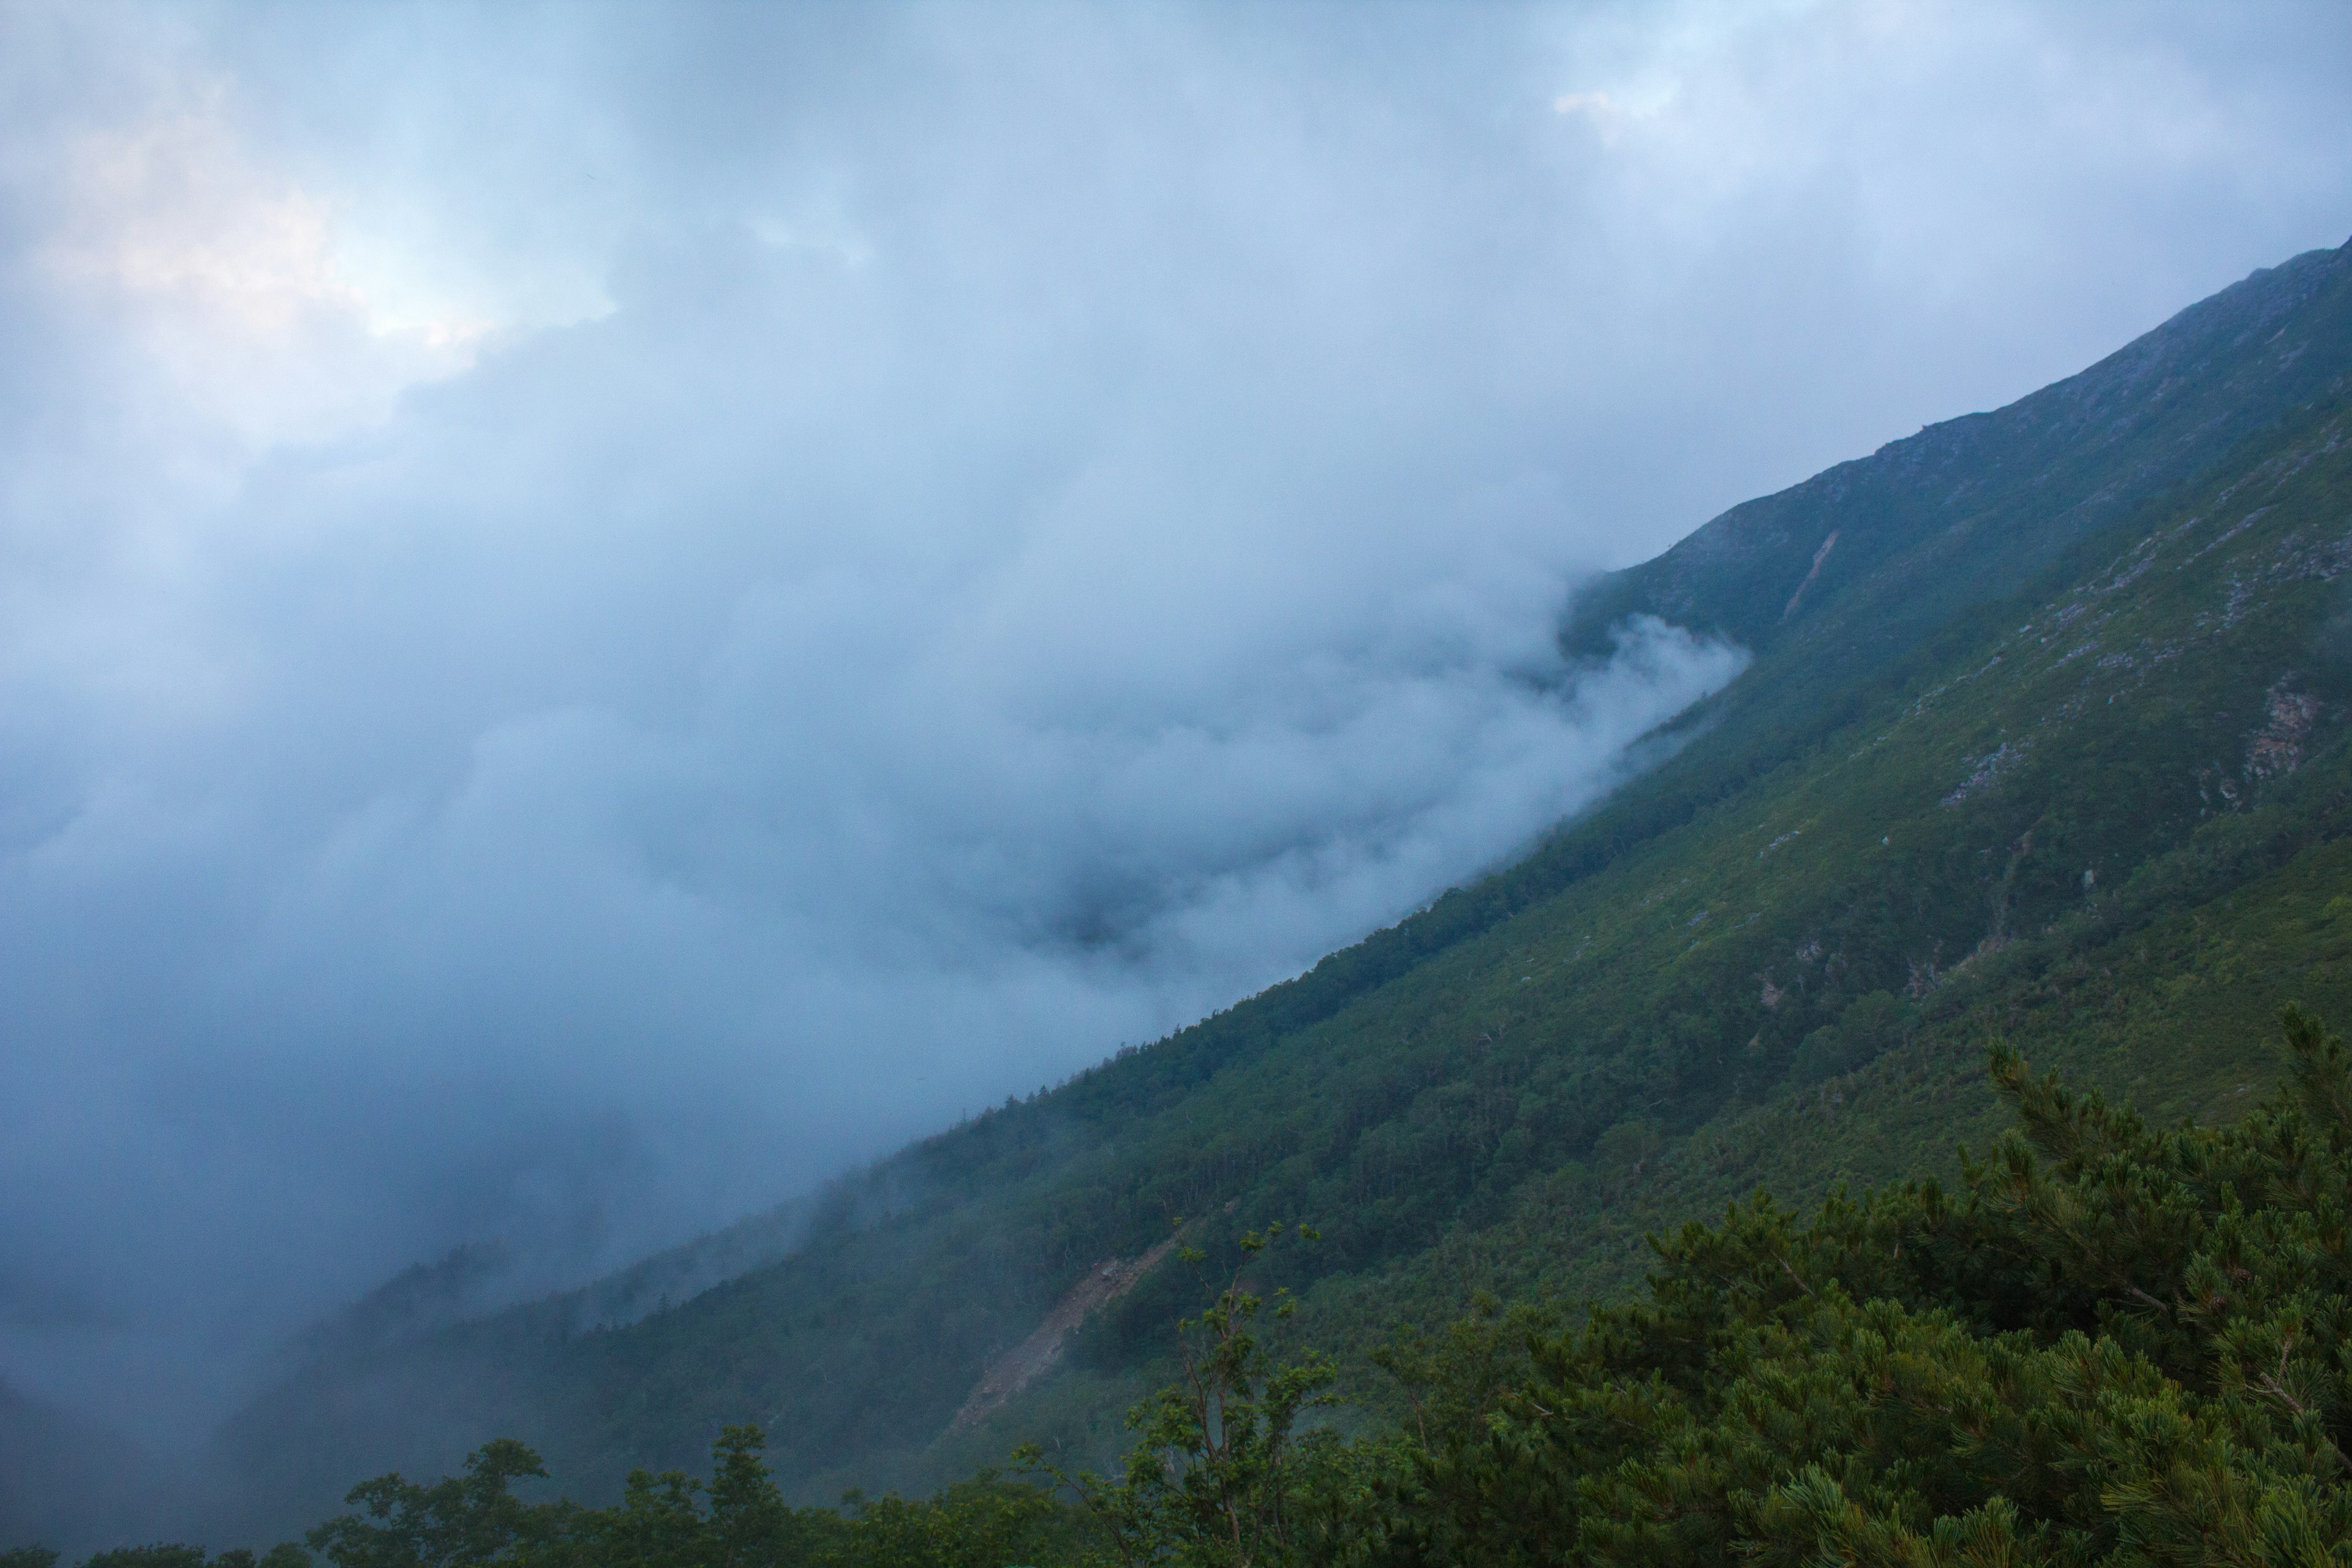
x: 231, y: 278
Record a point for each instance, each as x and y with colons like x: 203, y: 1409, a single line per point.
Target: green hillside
x: 2050, y: 744
x: 2108, y: 1345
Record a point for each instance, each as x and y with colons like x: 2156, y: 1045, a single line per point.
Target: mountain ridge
x: 1695, y: 582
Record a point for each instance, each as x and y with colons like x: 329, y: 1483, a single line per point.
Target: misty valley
x: 937, y: 787
x: 1899, y: 1124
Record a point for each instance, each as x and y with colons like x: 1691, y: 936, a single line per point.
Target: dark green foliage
x: 2116, y: 1345
x: 164, y: 1554
x: 737, y: 1519
x: 1873, y: 1026
x: 472, y: 1518
x: 160, y: 1555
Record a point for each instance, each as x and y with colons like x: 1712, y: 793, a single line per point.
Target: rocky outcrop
x: 1010, y: 1372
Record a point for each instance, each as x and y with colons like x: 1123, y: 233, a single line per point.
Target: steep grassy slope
x: 2052, y: 740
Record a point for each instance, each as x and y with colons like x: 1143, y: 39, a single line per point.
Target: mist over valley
x: 624, y: 631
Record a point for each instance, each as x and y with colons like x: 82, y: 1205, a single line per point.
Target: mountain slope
x: 2052, y: 735
x: 1992, y: 496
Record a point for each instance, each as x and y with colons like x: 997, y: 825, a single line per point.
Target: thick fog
x: 602, y: 612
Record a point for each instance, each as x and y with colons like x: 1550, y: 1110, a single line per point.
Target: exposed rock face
x: 1012, y: 1370
x: 1985, y: 770
x: 2277, y: 747
x: 1815, y: 571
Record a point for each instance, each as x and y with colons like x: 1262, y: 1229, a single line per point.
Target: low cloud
x: 598, y: 617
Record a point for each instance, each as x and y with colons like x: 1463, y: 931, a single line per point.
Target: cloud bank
x: 605, y: 611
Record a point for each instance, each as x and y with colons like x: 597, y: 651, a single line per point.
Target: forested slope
x: 2050, y: 742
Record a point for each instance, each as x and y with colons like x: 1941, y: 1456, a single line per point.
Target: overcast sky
x: 602, y: 611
